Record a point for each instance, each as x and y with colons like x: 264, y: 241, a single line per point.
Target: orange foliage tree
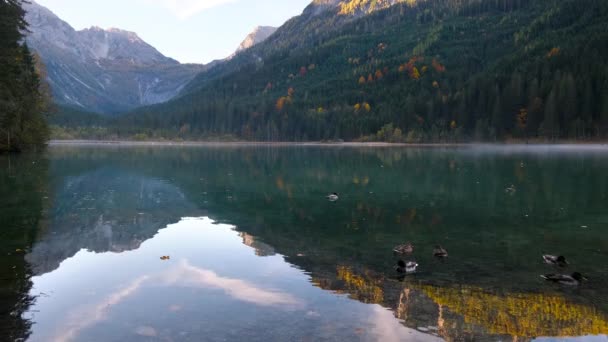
x: 379, y: 75
x: 438, y: 66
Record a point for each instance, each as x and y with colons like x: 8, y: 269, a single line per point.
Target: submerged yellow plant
x: 522, y: 314
x: 361, y: 288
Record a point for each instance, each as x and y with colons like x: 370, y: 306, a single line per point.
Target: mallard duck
x: 572, y: 280
x: 511, y: 190
x: 333, y: 197
x: 407, y: 248
x: 555, y: 260
x: 440, y: 252
x: 406, y: 267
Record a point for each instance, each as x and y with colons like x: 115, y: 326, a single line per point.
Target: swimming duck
x: 440, y: 252
x: 406, y: 267
x: 555, y: 260
x: 407, y: 248
x: 572, y: 280
x: 511, y: 190
x: 333, y: 197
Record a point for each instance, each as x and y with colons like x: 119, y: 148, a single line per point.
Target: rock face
x: 259, y: 34
x: 106, y: 71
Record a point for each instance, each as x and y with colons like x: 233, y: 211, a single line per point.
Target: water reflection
x: 105, y: 210
x: 518, y: 314
x: 100, y: 277
x: 23, y: 202
x: 196, y: 295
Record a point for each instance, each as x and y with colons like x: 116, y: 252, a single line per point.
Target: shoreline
x: 312, y: 144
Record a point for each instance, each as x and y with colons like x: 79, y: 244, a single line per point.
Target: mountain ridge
x: 258, y: 35
x: 407, y: 71
x: 105, y: 71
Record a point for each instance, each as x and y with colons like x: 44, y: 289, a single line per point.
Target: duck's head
x: 401, y: 263
x: 562, y: 259
x: 578, y: 276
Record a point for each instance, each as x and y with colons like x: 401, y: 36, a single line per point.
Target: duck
x: 571, y: 280
x: 333, y: 197
x: 407, y: 248
x: 555, y: 260
x: 406, y: 267
x: 511, y: 190
x: 440, y: 252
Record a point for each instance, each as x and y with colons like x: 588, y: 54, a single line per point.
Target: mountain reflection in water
x: 121, y: 296
x: 246, y: 269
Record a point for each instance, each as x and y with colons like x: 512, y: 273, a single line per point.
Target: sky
x: 190, y: 31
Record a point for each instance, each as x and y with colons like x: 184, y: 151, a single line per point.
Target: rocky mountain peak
x: 258, y: 35
x: 103, y: 70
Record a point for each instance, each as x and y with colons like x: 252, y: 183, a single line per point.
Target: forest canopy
x: 418, y: 71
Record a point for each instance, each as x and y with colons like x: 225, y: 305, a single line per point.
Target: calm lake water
x: 258, y: 254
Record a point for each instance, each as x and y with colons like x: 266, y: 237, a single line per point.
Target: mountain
x: 406, y: 71
x: 259, y: 34
x: 105, y: 71
x: 109, y: 225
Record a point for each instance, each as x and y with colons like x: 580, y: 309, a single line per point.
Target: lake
x: 255, y: 252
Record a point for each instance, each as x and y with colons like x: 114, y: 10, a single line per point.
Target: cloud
x: 184, y: 274
x: 242, y: 290
x: 185, y: 9
x: 388, y: 329
x: 83, y: 318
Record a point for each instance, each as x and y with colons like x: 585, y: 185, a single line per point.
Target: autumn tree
x: 379, y: 75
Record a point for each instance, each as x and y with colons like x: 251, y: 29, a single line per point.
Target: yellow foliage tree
x: 415, y: 74
x: 362, y: 80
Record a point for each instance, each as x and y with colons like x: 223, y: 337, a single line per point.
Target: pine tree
x: 551, y: 123
x: 22, y: 123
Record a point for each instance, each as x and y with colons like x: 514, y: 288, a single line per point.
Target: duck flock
x: 408, y: 267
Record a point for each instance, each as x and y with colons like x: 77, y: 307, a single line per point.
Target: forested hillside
x: 414, y: 71
x: 22, y: 98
